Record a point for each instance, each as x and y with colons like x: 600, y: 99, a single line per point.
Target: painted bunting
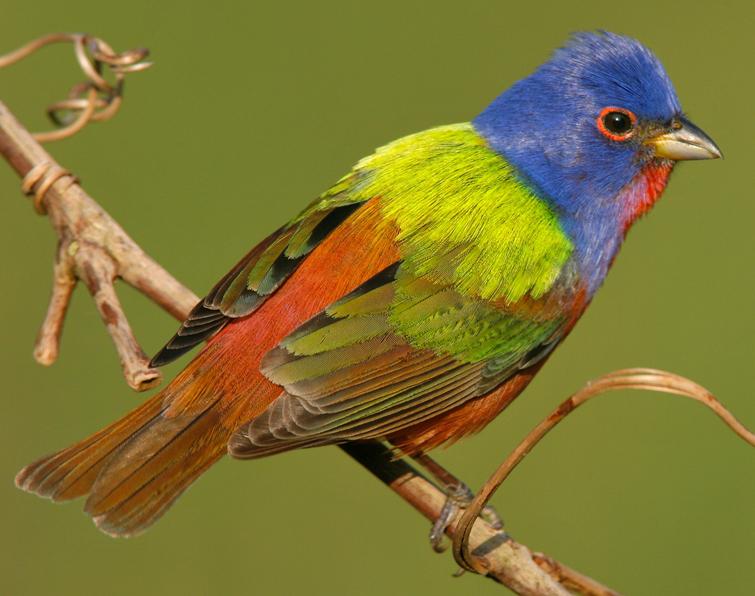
x: 414, y: 299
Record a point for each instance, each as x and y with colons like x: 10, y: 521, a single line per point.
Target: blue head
x: 586, y: 126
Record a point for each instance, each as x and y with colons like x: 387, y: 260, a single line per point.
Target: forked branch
x: 92, y: 246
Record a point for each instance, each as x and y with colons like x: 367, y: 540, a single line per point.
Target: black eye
x: 616, y: 123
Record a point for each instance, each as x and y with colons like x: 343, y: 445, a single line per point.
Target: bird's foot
x: 458, y: 497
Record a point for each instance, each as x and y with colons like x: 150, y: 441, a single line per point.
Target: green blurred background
x: 250, y: 111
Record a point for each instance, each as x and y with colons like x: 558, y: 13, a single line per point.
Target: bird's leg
x: 458, y: 496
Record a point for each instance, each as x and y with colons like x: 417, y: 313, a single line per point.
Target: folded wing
x: 396, y: 352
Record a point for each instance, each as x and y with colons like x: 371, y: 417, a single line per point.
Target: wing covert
x: 393, y: 353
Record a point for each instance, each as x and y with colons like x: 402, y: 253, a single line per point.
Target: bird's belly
x: 468, y: 418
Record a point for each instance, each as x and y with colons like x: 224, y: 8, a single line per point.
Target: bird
x: 414, y: 299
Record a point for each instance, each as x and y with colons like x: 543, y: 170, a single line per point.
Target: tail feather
x: 137, y: 461
x: 157, y: 460
x: 70, y: 473
x: 137, y: 511
x: 134, y: 469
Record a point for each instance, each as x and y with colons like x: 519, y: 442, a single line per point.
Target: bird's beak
x: 684, y: 141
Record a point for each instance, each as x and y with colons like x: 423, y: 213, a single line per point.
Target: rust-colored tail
x: 135, y: 468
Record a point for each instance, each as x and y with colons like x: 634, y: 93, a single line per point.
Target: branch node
x: 571, y: 579
x: 93, y: 247
x: 40, y: 179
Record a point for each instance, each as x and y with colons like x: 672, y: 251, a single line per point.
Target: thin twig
x: 632, y: 378
x: 63, y: 282
x: 91, y: 101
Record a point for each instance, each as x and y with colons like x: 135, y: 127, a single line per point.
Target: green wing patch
x: 395, y: 352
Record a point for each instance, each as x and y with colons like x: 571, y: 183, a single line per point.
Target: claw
x: 458, y: 496
x: 438, y: 530
x: 490, y: 515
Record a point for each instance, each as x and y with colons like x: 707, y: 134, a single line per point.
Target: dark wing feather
x: 255, y: 277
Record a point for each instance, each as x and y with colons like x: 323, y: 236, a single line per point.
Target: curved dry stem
x: 85, y: 115
x: 631, y: 378
x: 35, y: 45
x: 91, y: 101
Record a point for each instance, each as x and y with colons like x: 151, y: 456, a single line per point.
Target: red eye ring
x: 621, y: 120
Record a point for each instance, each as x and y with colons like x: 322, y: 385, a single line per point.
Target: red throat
x: 645, y: 190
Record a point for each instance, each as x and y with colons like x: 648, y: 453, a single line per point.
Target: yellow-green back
x: 464, y: 217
